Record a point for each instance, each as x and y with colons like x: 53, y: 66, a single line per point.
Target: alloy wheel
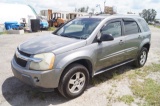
x: 76, y: 82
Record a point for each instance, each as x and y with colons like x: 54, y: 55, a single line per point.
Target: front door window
x: 113, y: 28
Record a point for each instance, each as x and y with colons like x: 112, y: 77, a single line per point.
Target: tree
x: 149, y: 15
x: 82, y: 9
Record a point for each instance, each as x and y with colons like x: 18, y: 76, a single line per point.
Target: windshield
x: 79, y: 28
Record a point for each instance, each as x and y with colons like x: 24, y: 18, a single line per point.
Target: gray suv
x: 72, y: 55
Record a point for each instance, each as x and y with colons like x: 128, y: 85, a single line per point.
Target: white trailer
x: 15, y: 12
x: 65, y: 15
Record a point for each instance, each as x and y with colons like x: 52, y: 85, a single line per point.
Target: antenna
x: 98, y: 5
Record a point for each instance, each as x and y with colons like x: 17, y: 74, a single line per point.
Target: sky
x: 122, y: 6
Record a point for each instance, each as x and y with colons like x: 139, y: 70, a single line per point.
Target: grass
x: 144, y: 89
x: 110, y: 96
x: 158, y: 26
x: 128, y: 99
x: 155, y: 26
x: 148, y: 90
x: 3, y: 32
x: 143, y: 72
x: 114, y: 85
x: 152, y: 68
x: 51, y: 29
x: 129, y: 72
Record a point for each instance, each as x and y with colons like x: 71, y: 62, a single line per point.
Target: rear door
x: 111, y: 52
x: 133, y: 35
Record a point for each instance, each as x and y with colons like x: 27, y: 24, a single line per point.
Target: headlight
x: 46, y: 63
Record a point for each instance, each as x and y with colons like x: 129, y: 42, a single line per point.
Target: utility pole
x: 104, y: 5
x: 99, y: 7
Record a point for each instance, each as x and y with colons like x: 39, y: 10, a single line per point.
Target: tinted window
x: 113, y: 28
x: 131, y: 27
x: 144, y: 25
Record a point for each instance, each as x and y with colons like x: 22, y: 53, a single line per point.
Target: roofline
x: 113, y: 16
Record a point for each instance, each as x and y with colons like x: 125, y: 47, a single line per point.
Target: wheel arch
x: 147, y: 45
x: 85, y: 62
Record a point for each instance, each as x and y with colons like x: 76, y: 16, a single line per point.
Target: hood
x: 46, y: 43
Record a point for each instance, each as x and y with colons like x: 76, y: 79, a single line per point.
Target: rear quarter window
x: 144, y: 25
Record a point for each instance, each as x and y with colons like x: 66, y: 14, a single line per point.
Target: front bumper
x: 42, y: 79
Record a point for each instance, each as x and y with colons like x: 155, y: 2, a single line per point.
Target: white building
x: 15, y: 12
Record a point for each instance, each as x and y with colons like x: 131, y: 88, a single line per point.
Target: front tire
x: 142, y: 58
x: 74, y: 81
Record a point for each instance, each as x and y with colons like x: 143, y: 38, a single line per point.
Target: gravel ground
x: 13, y: 92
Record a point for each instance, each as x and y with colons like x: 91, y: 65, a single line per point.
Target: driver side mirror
x: 105, y: 37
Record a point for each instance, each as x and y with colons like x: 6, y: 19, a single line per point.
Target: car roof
x: 103, y: 16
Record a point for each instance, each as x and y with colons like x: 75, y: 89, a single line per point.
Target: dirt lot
x: 118, y: 87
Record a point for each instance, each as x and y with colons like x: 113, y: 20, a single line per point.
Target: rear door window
x: 131, y: 27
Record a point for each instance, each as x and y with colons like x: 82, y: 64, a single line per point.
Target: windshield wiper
x: 65, y: 36
x: 83, y: 38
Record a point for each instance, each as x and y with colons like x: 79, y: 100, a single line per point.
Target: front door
x: 111, y: 52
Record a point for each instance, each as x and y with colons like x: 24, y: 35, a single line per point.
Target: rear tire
x: 142, y: 58
x: 74, y: 81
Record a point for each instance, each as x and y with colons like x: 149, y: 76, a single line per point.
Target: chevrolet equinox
x: 84, y: 47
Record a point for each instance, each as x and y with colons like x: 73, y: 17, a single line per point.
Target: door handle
x: 121, y: 42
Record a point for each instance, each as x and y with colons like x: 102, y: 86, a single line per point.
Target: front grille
x: 20, y: 62
x: 23, y: 53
